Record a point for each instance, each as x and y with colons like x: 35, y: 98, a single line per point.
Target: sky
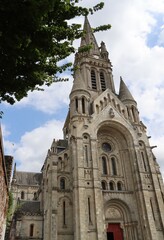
x: 136, y: 50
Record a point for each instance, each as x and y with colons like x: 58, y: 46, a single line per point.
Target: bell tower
x: 93, y: 73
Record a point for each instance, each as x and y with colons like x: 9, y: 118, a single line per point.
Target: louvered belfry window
x: 102, y: 81
x: 93, y: 80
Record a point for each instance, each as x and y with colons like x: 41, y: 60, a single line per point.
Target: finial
x: 104, y: 52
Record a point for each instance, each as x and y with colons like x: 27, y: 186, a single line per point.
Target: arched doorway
x: 114, y: 219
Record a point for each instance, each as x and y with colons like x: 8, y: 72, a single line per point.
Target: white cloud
x: 50, y: 100
x: 31, y: 151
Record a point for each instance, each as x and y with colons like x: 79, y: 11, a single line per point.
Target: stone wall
x: 3, y: 190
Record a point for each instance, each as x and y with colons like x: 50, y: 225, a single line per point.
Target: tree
x: 34, y: 36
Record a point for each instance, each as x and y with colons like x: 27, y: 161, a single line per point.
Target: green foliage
x: 102, y: 28
x: 34, y: 36
x: 10, y: 208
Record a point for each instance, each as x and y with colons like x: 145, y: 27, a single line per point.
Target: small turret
x: 124, y: 94
x: 126, y: 97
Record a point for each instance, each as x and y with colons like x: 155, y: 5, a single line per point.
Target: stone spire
x: 89, y: 39
x: 124, y: 93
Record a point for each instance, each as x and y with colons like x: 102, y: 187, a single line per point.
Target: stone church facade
x: 102, y: 181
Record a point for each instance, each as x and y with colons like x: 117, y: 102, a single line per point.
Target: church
x: 102, y: 181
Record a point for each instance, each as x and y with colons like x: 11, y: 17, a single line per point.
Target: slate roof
x: 124, y: 93
x: 29, y: 207
x: 28, y: 178
x: 62, y: 143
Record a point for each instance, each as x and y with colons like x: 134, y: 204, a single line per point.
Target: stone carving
x: 111, y: 113
x: 113, y: 213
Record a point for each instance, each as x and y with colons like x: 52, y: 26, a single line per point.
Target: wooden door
x: 114, y: 232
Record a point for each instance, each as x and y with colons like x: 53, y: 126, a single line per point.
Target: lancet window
x: 119, y: 186
x: 89, y: 210
x: 103, y: 185
x: 144, y: 156
x: 93, y: 80
x: 83, y: 105
x: 102, y: 81
x: 111, y: 185
x: 22, y: 195
x: 31, y: 230
x: 64, y: 213
x: 62, y: 183
x: 104, y: 165
x: 114, y: 168
x: 86, y: 150
x: 76, y: 104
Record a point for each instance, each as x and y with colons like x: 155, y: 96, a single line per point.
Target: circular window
x: 106, y: 147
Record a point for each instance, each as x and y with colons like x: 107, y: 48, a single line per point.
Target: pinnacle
x: 89, y: 38
x: 124, y: 93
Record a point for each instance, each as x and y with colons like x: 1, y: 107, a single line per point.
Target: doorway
x: 114, y: 232
x: 110, y: 236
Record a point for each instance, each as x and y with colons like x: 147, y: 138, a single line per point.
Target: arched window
x: 104, y: 165
x: 89, y: 210
x: 93, y: 80
x: 102, y: 81
x: 83, y: 105
x: 86, y: 154
x: 62, y: 183
x: 31, y: 230
x: 144, y: 156
x: 119, y: 186
x: 114, y: 169
x: 22, y: 195
x: 103, y: 185
x: 64, y: 214
x: 35, y: 196
x: 134, y: 113
x: 111, y: 185
x: 76, y: 104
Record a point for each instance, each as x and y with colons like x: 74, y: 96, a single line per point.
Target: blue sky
x: 136, y: 50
